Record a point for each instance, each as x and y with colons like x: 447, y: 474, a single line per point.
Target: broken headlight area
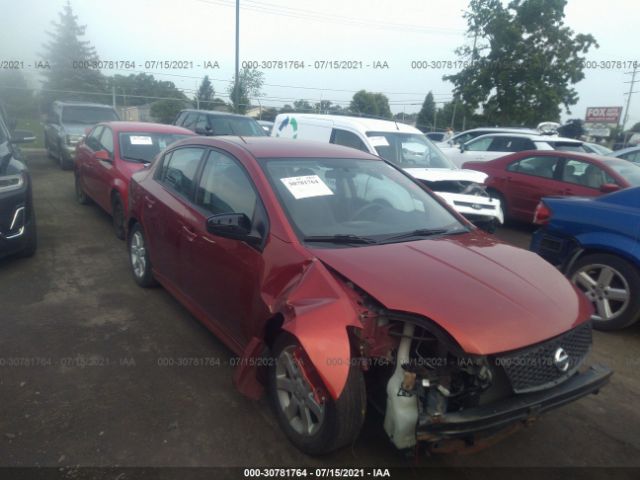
x: 457, y: 186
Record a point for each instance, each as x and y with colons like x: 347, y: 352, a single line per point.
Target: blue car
x: 596, y: 243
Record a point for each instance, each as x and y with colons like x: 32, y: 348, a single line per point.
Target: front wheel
x: 311, y: 419
x: 139, y: 258
x: 613, y: 287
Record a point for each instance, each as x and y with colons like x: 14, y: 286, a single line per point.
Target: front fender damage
x: 317, y: 312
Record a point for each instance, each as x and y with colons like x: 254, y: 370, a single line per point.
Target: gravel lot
x: 90, y: 389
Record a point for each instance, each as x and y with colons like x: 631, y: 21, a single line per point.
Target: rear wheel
x: 139, y: 258
x: 613, y: 287
x: 311, y: 419
x: 117, y: 213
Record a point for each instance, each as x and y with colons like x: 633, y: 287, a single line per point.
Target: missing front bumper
x: 488, y: 421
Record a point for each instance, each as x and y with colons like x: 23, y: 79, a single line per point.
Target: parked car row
x: 327, y: 263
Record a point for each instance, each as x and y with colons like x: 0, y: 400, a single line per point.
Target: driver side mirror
x: 609, y: 187
x: 462, y: 148
x: 231, y: 225
x: 103, y: 155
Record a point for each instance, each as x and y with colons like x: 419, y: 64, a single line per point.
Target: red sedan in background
x: 108, y: 156
x: 520, y: 180
x: 329, y: 272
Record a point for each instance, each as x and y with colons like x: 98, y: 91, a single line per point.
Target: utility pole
x: 113, y: 95
x: 435, y: 113
x: 631, y: 84
x: 237, y: 79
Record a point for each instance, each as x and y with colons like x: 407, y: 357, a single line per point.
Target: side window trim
x: 160, y: 171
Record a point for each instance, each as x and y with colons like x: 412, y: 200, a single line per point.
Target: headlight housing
x: 10, y: 183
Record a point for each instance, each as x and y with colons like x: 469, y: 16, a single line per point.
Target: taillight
x: 542, y: 214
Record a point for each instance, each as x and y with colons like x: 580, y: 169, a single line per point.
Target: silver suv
x: 66, y: 125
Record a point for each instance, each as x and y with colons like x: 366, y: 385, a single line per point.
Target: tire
x: 612, y: 285
x: 118, y: 217
x: 31, y: 245
x: 65, y: 162
x: 340, y: 420
x: 139, y: 258
x: 81, y: 196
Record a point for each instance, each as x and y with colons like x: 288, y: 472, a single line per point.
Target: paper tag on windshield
x: 140, y: 140
x: 307, y: 186
x: 379, y: 141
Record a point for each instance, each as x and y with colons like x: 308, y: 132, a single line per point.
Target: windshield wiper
x: 135, y: 159
x: 425, y: 232
x: 341, y: 238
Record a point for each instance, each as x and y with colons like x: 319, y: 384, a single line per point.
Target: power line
x: 272, y: 9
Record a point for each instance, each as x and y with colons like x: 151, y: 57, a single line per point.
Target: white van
x: 405, y: 147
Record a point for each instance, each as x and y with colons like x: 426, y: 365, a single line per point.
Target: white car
x: 467, y: 135
x: 495, y: 145
x: 406, y: 147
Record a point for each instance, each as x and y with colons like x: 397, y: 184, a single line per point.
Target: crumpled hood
x: 443, y: 174
x: 490, y: 296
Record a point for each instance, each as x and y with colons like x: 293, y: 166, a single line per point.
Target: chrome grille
x: 535, y: 368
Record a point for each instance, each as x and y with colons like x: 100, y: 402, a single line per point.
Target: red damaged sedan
x: 520, y: 180
x: 342, y: 283
x: 108, y: 156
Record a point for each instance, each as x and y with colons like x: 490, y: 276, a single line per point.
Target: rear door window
x: 585, y: 174
x: 544, y: 167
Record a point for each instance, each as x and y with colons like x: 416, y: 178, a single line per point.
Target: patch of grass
x: 34, y: 125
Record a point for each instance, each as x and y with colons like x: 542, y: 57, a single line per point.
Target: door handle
x: 150, y: 202
x: 189, y: 233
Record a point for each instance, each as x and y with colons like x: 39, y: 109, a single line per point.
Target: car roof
x: 502, y: 130
x: 123, y: 126
x: 73, y: 103
x: 213, y: 112
x: 272, y: 147
x: 533, y: 137
x: 587, y: 157
x: 361, y: 123
x: 623, y: 151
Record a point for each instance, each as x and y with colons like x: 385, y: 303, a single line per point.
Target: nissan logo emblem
x: 561, y: 360
x: 476, y: 206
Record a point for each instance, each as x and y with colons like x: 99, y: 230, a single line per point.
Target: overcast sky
x: 367, y: 31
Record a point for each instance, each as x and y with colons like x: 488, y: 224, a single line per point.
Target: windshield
x: 243, y: 126
x: 349, y: 197
x: 408, y: 150
x: 144, y: 146
x: 87, y: 115
x: 627, y: 170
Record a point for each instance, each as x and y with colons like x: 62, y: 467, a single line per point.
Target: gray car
x: 632, y: 154
x: 66, y: 125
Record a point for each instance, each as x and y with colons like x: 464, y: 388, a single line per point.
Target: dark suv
x: 66, y: 126
x: 210, y: 123
x: 17, y: 218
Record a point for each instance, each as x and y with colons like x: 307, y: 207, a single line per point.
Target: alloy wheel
x: 606, y: 288
x: 296, y: 396
x: 138, y: 255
